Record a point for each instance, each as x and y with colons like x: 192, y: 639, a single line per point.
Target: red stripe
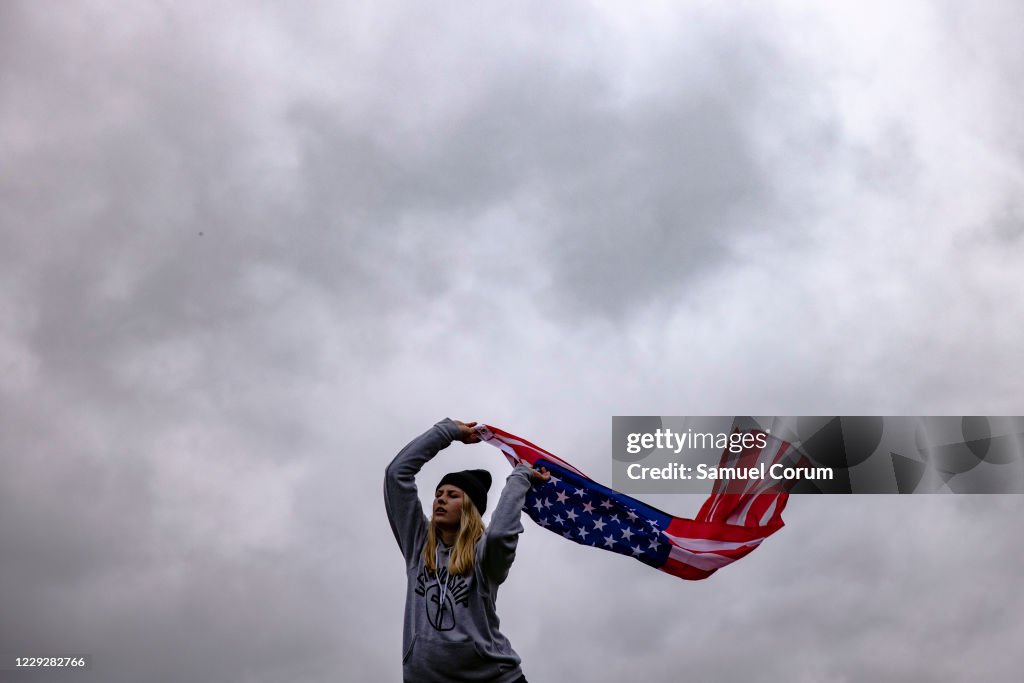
x: 532, y: 452
x: 718, y: 531
x: 685, y: 571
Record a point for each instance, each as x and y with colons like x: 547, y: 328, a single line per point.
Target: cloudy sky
x: 248, y: 251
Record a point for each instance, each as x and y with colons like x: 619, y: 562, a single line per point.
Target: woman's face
x: 448, y: 506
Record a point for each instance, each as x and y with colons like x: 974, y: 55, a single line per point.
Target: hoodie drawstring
x: 443, y: 588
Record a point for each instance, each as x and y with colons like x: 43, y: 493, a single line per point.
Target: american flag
x: 733, y: 521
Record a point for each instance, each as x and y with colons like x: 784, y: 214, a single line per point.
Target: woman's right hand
x: 466, y: 432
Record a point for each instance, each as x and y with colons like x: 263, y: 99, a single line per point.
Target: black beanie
x: 475, y: 483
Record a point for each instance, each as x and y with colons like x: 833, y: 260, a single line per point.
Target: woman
x: 453, y: 565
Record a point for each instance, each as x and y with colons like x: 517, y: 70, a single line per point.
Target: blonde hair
x: 463, y: 555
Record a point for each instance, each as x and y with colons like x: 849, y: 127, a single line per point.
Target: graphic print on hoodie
x: 442, y: 616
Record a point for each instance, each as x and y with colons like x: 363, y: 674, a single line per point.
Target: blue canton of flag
x: 590, y: 514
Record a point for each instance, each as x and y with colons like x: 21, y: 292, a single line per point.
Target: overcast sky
x: 248, y: 252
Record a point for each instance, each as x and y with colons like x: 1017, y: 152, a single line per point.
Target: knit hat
x: 475, y: 484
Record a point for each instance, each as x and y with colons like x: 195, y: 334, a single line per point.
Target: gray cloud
x: 247, y: 254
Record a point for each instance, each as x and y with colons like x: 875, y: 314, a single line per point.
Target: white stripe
x: 738, y: 517
x: 705, y: 544
x: 769, y: 513
x: 510, y: 454
x: 705, y: 561
x: 772, y: 449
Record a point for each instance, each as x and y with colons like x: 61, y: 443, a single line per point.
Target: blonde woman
x: 454, y: 565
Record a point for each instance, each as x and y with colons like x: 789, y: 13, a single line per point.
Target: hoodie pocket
x: 466, y: 659
x: 433, y: 660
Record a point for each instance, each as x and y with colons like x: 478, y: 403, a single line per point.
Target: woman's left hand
x: 540, y: 475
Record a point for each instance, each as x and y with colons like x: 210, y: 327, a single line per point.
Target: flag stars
x: 632, y: 516
x: 562, y: 497
x: 583, y: 532
x: 539, y: 505
x: 636, y: 550
x: 599, y: 524
x: 571, y: 515
x: 627, y: 535
x: 579, y: 492
x: 588, y: 508
x: 606, y: 504
x: 559, y: 520
x: 609, y: 541
x: 615, y: 519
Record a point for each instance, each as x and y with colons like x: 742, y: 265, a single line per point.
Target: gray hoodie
x: 456, y: 639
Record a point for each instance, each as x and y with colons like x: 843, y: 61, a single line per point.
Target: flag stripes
x: 735, y: 519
